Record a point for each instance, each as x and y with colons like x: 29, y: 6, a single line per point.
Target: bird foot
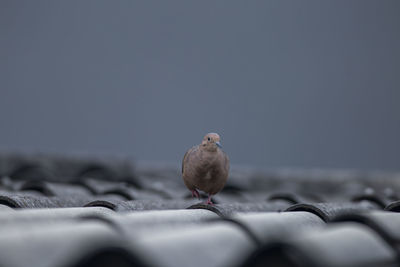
x: 209, y: 201
x: 195, y: 193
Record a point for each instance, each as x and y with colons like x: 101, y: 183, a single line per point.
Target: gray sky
x: 285, y: 83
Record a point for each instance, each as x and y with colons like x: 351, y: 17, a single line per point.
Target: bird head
x: 211, y: 142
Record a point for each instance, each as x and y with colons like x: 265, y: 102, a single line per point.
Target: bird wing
x: 226, y: 165
x: 184, y: 158
x: 186, y: 155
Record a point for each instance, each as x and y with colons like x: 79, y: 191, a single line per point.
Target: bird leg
x: 195, y: 193
x: 209, y: 202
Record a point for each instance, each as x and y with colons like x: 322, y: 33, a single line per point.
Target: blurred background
x: 285, y: 83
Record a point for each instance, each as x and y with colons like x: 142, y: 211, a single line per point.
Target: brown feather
x: 205, y: 169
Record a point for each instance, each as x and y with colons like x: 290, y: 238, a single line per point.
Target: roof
x: 85, y: 211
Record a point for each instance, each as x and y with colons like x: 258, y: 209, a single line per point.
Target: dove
x: 205, y: 167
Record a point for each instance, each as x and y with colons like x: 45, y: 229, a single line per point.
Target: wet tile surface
x: 77, y: 211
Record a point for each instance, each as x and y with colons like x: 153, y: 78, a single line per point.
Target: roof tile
x: 91, y: 211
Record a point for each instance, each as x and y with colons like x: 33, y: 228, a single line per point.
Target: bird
x: 205, y: 167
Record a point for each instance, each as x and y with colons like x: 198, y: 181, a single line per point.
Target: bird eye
x: 208, y: 138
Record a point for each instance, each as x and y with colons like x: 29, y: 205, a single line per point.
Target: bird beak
x: 218, y: 144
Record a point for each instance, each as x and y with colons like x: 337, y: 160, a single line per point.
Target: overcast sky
x: 285, y: 83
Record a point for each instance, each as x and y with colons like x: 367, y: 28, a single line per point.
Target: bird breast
x: 208, y: 167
